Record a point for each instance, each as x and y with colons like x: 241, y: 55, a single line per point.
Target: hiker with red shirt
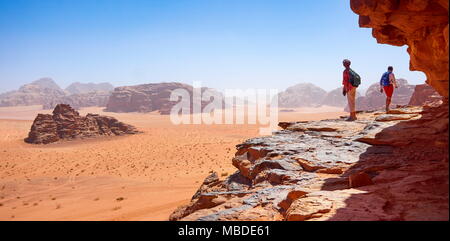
x: 387, y: 84
x: 350, y: 88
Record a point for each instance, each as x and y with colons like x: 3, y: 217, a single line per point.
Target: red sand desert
x: 136, y: 177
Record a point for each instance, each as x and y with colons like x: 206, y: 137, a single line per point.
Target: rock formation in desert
x: 77, y: 101
x: 420, y: 24
x: 83, y: 88
x: 36, y: 93
x: 150, y: 97
x: 375, y: 100
x: 301, y: 95
x: 47, y: 93
x: 67, y: 124
x: 424, y: 94
x: 381, y: 167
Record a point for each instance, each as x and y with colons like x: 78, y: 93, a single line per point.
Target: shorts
x: 389, y: 90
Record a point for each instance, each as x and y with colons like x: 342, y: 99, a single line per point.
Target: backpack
x: 355, y: 79
x: 385, y: 79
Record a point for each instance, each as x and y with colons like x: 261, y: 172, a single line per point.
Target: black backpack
x: 355, y: 79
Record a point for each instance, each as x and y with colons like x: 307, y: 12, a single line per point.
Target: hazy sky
x: 222, y: 43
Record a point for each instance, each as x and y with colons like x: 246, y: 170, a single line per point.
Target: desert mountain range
x: 155, y: 96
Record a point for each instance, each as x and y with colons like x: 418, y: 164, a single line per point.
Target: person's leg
x: 388, y: 103
x: 388, y: 90
x: 351, y: 95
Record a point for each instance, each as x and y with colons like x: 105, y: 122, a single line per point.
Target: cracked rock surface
x: 390, y: 166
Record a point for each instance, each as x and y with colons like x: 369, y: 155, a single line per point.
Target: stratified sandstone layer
x: 67, y: 124
x: 420, y: 24
x: 381, y: 167
x: 77, y: 101
x: 424, y: 94
x: 152, y: 97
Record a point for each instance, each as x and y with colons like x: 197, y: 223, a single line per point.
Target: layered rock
x: 151, y: 97
x: 66, y: 124
x: 84, y: 88
x: 77, y: 101
x: 381, y: 167
x: 35, y: 93
x: 375, y: 100
x: 301, y: 95
x: 420, y: 24
x: 423, y: 95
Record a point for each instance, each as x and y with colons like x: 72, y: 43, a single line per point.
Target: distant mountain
x: 82, y: 88
x: 149, y: 97
x: 35, y: 93
x: 45, y: 83
x: 375, y: 100
x: 301, y: 95
x: 47, y: 93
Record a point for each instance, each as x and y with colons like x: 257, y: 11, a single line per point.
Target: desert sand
x: 138, y: 177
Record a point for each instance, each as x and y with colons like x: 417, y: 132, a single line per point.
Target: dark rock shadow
x: 409, y: 172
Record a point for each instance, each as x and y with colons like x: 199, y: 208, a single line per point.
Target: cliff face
x: 424, y: 94
x: 151, y: 97
x: 420, y: 24
x: 301, y: 95
x: 381, y: 167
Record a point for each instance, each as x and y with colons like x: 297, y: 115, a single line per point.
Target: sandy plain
x: 136, y: 177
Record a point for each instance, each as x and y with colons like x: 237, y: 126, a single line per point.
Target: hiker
x: 351, y: 81
x: 387, y: 83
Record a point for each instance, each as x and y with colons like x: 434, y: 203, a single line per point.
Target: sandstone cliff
x: 84, y: 88
x: 301, y: 95
x: 420, y: 24
x: 77, y: 101
x: 424, y: 94
x: 149, y: 97
x: 67, y: 124
x: 381, y: 167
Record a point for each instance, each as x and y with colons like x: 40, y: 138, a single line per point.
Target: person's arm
x: 344, y: 80
x: 381, y: 84
x: 392, y: 79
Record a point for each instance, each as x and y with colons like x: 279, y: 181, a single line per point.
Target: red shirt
x: 346, y: 80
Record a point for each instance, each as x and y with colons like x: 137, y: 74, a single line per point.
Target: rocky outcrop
x: 77, y: 101
x: 420, y: 24
x: 381, y: 167
x: 35, y: 93
x: 423, y: 95
x: 67, y: 124
x: 301, y: 95
x: 150, y: 97
x: 84, y: 88
x: 375, y: 100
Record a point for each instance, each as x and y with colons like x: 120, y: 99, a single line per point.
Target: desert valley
x: 94, y: 151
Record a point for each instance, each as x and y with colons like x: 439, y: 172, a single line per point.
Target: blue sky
x: 222, y: 43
